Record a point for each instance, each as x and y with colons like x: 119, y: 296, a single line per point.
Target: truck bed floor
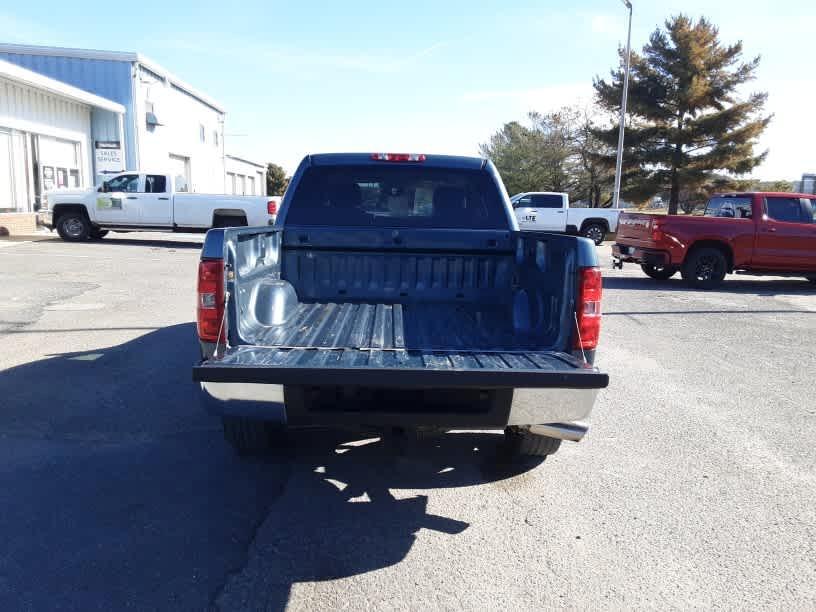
x: 400, y: 326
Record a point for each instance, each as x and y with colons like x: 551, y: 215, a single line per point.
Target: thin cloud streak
x: 285, y: 60
x: 538, y: 98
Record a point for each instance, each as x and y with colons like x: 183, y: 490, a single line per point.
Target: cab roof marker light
x: 399, y: 157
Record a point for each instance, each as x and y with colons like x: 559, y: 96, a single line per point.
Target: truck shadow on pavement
x: 158, y: 242
x: 151, y: 242
x: 118, y: 491
x: 338, y: 515
x: 756, y: 286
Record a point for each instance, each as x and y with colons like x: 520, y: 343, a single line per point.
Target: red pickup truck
x: 757, y: 233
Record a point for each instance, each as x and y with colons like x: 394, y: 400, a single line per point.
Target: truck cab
x: 147, y: 195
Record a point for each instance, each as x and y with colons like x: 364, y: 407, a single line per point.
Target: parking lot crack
x: 40, y: 295
x: 247, y: 548
x: 239, y: 568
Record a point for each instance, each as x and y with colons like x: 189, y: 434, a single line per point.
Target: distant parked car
x: 142, y: 201
x: 756, y: 233
x: 549, y: 211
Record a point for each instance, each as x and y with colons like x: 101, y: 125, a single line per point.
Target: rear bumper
x: 301, y: 406
x: 635, y: 254
x: 347, y: 387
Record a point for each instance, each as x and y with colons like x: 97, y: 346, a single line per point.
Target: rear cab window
x: 155, y: 183
x: 787, y: 210
x: 397, y: 196
x: 733, y: 207
x: 812, y: 203
x: 548, y: 200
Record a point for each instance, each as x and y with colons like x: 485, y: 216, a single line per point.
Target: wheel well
x: 222, y: 215
x: 595, y: 221
x: 714, y: 244
x: 61, y: 209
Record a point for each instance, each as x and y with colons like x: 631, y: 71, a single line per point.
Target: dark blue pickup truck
x: 397, y: 291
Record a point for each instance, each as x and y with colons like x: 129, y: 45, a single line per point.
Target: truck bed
x: 408, y: 317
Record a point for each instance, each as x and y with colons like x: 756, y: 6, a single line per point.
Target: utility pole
x: 619, y: 163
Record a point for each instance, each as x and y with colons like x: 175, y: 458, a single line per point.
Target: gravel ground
x: 695, y: 488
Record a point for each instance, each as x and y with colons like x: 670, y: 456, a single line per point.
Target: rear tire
x: 595, y: 232
x: 659, y: 272
x: 705, y: 268
x: 521, y: 442
x: 248, y: 436
x: 73, y: 227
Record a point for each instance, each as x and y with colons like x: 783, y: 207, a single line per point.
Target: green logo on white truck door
x: 108, y: 203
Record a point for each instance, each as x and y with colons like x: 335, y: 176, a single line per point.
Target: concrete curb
x: 29, y: 237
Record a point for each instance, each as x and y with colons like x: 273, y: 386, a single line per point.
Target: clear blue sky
x: 419, y: 75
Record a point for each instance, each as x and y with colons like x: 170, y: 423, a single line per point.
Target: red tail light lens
x: 398, y: 157
x: 657, y: 230
x: 211, y: 300
x: 272, y: 207
x: 588, y: 308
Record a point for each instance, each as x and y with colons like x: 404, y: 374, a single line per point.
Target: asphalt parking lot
x: 696, y: 486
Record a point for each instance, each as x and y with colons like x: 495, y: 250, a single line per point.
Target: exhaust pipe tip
x: 573, y: 431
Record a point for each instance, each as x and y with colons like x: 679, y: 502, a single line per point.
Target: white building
x: 245, y: 177
x: 160, y: 122
x: 46, y: 135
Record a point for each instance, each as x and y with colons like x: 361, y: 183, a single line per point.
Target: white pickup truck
x: 548, y: 211
x: 143, y: 201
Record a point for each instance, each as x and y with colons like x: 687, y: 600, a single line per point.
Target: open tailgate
x: 399, y: 368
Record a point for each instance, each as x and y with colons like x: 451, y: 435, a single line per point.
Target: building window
x: 202, y: 133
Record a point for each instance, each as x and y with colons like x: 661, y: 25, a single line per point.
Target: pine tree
x: 276, y: 180
x: 686, y: 124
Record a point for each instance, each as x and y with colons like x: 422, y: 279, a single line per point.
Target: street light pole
x: 619, y: 164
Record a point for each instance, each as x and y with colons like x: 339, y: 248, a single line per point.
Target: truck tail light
x: 210, y: 307
x: 272, y: 207
x: 588, y: 308
x: 398, y: 157
x: 657, y: 230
